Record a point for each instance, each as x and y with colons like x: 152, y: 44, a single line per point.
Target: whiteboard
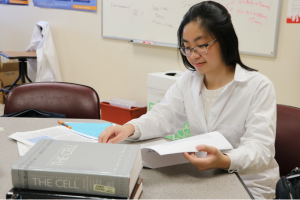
x: 157, y: 21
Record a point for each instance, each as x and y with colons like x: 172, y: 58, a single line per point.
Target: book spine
x: 72, y: 183
x: 58, y: 197
x: 40, y: 194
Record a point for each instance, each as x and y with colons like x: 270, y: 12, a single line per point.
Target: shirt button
x: 213, y: 113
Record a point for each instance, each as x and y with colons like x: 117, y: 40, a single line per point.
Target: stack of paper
x: 85, y: 132
x: 26, y: 140
x: 162, y: 153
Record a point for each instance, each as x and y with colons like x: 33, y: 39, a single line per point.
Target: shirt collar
x: 240, y: 74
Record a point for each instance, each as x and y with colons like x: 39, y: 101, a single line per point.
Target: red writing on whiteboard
x: 257, y: 14
x: 255, y: 9
x: 264, y: 6
x: 231, y: 3
x: 249, y: 2
x: 253, y: 19
x: 240, y: 11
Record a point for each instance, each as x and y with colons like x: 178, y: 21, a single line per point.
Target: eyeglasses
x: 200, y: 50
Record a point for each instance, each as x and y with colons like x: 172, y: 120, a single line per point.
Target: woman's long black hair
x: 215, y: 20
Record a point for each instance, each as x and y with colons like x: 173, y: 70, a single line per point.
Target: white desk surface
x: 174, y: 182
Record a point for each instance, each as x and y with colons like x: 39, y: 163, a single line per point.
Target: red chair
x: 73, y: 100
x: 287, y: 143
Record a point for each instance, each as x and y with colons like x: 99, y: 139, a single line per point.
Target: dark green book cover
x: 79, y: 167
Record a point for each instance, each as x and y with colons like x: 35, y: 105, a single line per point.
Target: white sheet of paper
x: 55, y: 133
x: 23, y: 148
x: 171, y: 153
x: 153, y: 143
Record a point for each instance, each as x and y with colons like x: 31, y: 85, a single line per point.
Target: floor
x: 1, y: 109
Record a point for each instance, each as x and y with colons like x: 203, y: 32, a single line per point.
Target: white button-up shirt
x: 245, y: 113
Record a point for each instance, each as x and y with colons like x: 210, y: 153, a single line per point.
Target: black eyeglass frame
x: 193, y: 49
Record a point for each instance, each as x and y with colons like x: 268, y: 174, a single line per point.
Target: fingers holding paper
x: 214, y: 159
x: 115, y: 134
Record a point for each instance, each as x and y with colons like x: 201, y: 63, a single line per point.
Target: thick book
x: 163, y: 153
x: 16, y: 193
x: 79, y: 167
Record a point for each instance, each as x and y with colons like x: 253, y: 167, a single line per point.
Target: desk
x: 22, y: 57
x: 174, y: 182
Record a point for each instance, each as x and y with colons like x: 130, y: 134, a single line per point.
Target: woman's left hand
x: 214, y: 159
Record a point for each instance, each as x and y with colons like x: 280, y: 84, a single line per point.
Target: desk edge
x: 246, y: 188
x: 18, y: 57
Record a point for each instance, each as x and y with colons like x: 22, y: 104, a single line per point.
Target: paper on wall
x: 293, y: 12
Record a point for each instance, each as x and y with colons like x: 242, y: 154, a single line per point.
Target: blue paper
x: 15, y: 2
x: 91, y: 129
x: 35, y: 140
x: 83, y: 5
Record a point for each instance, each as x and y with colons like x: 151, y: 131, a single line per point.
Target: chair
x: 73, y: 100
x: 287, y: 143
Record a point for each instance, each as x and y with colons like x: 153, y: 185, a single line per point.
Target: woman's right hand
x: 115, y: 134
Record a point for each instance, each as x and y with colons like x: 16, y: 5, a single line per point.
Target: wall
x: 116, y: 68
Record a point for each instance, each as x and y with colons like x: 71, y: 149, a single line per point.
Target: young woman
x: 217, y: 93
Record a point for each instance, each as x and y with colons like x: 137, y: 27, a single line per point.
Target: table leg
x: 22, y: 75
x: 22, y: 65
x: 26, y: 73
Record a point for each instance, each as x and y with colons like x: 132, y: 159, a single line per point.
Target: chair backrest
x: 287, y: 143
x: 73, y: 100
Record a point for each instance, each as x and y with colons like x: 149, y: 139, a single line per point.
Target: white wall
x: 116, y: 68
